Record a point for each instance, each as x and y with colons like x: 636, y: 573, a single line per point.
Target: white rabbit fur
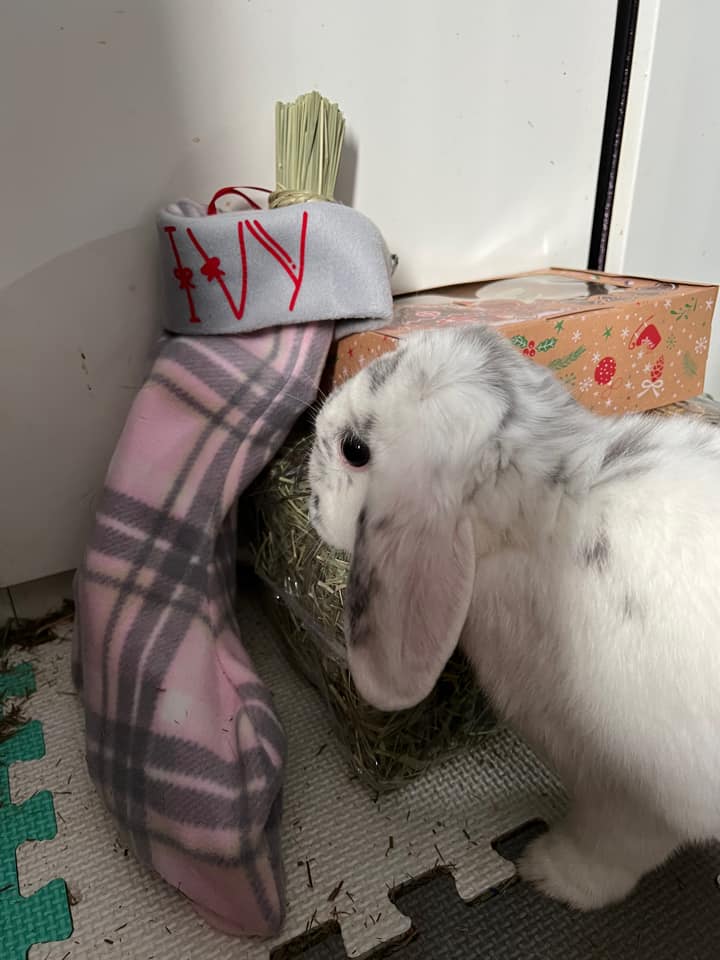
x: 575, y: 558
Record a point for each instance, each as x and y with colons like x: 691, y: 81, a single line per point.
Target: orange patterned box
x: 619, y: 344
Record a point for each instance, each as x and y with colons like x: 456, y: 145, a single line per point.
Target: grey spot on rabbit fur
x: 559, y: 473
x: 495, y: 368
x: 361, y: 585
x: 365, y: 428
x: 380, y: 371
x: 633, y: 442
x: 630, y: 607
x: 596, y: 553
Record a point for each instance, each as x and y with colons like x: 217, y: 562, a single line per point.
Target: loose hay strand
x: 26, y: 633
x: 306, y: 581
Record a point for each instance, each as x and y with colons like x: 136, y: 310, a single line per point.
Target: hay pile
x: 306, y: 580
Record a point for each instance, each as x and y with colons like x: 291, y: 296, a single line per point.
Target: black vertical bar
x: 620, y: 67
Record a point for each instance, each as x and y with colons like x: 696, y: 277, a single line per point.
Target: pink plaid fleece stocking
x: 182, y: 739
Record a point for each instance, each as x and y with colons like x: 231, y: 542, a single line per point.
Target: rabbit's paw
x: 555, y: 865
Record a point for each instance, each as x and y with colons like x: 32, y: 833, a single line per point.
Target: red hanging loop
x: 238, y: 191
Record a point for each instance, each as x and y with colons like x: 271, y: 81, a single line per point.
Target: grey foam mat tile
x: 673, y: 915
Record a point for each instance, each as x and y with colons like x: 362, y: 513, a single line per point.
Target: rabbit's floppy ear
x: 407, y: 599
x: 433, y: 438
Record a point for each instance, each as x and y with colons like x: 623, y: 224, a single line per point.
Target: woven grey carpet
x: 674, y: 915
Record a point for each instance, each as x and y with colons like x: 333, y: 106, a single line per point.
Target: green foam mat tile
x: 45, y: 915
x: 17, y: 682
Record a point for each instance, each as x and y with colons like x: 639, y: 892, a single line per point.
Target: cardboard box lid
x: 534, y: 295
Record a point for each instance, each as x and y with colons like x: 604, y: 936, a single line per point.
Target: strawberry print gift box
x: 619, y: 344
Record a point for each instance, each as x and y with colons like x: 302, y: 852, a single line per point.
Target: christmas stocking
x: 182, y: 740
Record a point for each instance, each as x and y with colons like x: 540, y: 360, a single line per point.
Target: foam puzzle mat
x: 45, y: 914
x: 346, y: 850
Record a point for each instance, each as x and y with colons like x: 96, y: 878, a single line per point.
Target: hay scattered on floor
x: 25, y: 633
x: 29, y: 632
x: 306, y: 580
x: 11, y: 720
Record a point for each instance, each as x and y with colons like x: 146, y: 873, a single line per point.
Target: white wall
x: 474, y: 133
x: 667, y: 209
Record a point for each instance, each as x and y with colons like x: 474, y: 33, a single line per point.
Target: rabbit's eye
x: 354, y: 450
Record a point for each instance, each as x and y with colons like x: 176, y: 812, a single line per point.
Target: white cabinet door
x: 474, y: 136
x: 667, y: 203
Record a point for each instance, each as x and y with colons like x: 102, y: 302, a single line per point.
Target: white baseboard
x: 35, y: 598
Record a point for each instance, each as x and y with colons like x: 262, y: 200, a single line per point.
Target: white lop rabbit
x: 574, y: 558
